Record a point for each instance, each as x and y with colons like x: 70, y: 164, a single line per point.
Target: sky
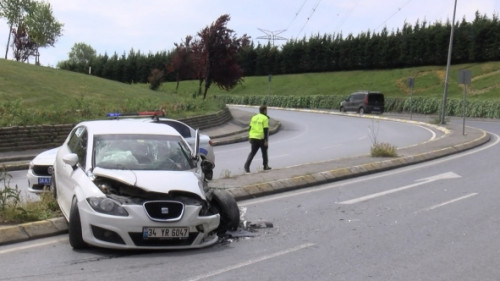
x: 118, y: 26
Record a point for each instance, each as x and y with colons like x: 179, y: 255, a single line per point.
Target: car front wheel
x: 228, y: 211
x: 75, y: 227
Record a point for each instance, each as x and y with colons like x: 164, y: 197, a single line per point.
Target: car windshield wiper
x: 186, y: 154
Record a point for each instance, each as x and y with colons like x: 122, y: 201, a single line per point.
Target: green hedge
x: 418, y: 105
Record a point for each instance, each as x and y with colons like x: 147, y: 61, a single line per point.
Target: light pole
x: 443, y: 110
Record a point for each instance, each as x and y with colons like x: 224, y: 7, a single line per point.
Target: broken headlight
x: 107, y: 206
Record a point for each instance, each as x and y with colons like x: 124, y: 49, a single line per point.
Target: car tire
x: 75, y: 227
x: 361, y: 110
x: 342, y: 109
x: 228, y: 211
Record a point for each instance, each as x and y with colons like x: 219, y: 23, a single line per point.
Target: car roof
x: 367, y: 92
x: 117, y: 126
x: 150, y: 120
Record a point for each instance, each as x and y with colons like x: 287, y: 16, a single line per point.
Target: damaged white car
x: 127, y: 185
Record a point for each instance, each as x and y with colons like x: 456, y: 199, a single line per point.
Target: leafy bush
x: 43, y: 209
x: 9, y: 197
x: 383, y: 150
x: 155, y: 79
x: 12, y: 210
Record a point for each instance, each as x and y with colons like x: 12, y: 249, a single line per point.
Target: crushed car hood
x: 156, y: 181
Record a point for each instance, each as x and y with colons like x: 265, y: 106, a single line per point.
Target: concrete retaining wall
x: 48, y: 136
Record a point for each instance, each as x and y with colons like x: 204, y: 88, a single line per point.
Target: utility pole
x: 464, y: 77
x: 271, y: 36
x: 443, y: 111
x: 411, y: 84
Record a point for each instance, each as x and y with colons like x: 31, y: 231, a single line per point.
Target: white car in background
x: 127, y: 185
x: 40, y: 171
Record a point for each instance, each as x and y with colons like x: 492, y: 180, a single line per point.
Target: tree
x: 32, y: 25
x: 23, y: 46
x: 220, y: 49
x: 43, y: 28
x: 79, y: 58
x: 13, y: 11
x: 82, y: 54
x: 199, y: 63
x: 181, y: 63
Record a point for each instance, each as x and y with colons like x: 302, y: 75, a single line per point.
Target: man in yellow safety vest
x: 258, y: 133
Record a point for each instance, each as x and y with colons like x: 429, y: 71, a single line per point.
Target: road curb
x: 32, y: 230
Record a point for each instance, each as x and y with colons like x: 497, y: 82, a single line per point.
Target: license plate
x: 44, y: 181
x: 165, y: 232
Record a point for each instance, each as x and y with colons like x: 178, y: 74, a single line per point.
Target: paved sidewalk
x: 450, y: 140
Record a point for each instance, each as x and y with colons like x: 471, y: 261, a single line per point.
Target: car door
x: 183, y: 129
x: 66, y: 175
x: 351, y: 104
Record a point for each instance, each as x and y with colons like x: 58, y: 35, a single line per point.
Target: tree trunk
x: 207, y: 85
x: 205, y: 92
x: 8, y: 41
x: 199, y: 87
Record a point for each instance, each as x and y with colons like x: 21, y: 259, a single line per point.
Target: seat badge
x: 164, y: 210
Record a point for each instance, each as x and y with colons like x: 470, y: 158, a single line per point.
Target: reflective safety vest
x: 257, y: 125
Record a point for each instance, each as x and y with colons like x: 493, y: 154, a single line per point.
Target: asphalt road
x: 306, y: 137
x: 432, y: 221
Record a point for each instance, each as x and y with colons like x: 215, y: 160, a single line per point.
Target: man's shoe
x: 247, y: 170
x: 267, y: 168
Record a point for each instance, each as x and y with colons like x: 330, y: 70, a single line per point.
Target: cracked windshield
x: 142, y: 152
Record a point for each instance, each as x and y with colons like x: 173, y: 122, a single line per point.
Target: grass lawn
x: 32, y: 94
x: 429, y: 82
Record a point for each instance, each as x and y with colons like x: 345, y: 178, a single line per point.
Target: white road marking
x: 250, y: 262
x: 31, y: 246
x: 449, y: 202
x: 433, y: 134
x: 433, y: 137
x: 448, y: 175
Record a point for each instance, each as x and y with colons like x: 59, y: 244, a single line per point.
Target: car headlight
x: 106, y: 206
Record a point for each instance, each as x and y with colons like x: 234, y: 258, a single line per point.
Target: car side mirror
x: 71, y: 159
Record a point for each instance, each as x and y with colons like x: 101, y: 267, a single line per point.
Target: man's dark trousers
x: 256, y: 144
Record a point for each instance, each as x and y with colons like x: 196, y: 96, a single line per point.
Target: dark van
x: 364, y: 102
